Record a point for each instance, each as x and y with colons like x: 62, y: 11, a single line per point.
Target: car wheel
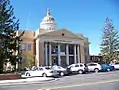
x: 44, y: 75
x: 80, y: 71
x: 28, y: 74
x: 108, y: 70
x: 61, y: 73
x: 96, y: 70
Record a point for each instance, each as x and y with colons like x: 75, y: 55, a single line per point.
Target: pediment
x: 63, y: 33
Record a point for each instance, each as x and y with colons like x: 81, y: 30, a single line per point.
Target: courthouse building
x: 51, y: 46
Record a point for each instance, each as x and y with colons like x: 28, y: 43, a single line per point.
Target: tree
x: 110, y: 42
x: 8, y: 29
x: 29, y: 62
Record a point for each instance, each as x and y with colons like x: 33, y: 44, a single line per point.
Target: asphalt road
x: 94, y: 81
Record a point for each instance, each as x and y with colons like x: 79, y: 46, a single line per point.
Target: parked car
x: 77, y: 68
x: 41, y: 71
x: 61, y: 71
x: 116, y: 65
x: 94, y: 67
x: 22, y: 71
x: 107, y: 67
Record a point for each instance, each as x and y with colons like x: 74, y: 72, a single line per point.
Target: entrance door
x: 63, y: 61
x: 71, y: 60
x: 55, y: 60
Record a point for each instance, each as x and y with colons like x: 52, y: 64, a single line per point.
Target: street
x: 91, y: 81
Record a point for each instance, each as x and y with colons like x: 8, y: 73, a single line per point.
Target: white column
x: 59, y: 58
x: 78, y: 54
x: 75, y: 54
x: 50, y: 62
x: 67, y: 54
x: 37, y: 51
x: 87, y: 53
x: 46, y: 54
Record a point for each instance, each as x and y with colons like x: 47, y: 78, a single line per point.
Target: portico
x: 60, y: 50
x: 57, y: 55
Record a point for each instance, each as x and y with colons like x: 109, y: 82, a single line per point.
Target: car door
x: 40, y: 71
x: 34, y: 72
x: 59, y: 68
x: 91, y: 66
x: 116, y: 65
x: 76, y: 67
x: 81, y: 66
x: 37, y: 72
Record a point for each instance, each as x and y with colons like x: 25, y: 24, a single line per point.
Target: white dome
x: 48, y: 22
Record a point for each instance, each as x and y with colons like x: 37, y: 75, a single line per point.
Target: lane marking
x: 83, y: 84
x: 44, y: 89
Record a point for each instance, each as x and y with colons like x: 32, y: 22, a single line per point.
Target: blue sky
x: 78, y: 16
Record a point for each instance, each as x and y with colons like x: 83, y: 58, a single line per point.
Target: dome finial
x: 48, y: 12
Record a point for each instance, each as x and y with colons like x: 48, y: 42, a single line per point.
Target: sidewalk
x: 31, y: 79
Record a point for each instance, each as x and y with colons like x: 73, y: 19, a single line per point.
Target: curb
x: 105, y: 73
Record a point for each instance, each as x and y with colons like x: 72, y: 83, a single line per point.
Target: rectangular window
x: 23, y: 47
x: 29, y: 47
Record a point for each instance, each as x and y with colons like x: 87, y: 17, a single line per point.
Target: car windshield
x: 56, y: 67
x: 117, y: 63
x: 104, y: 64
x: 48, y: 68
x: 59, y: 67
x: 92, y: 64
x: 40, y: 69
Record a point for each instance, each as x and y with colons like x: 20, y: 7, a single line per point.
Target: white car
x: 116, y: 65
x: 79, y: 68
x: 41, y: 71
x: 94, y: 67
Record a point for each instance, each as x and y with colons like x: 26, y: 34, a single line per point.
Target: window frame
x: 81, y: 65
x: 92, y: 64
x: 23, y: 46
x: 77, y: 65
x: 29, y: 47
